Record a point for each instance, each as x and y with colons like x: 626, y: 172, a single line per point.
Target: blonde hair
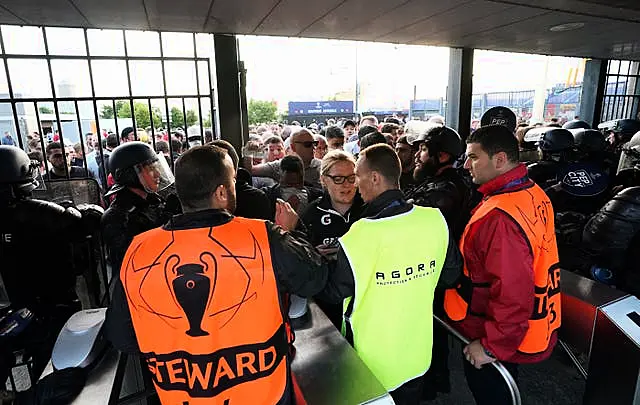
x: 334, y: 157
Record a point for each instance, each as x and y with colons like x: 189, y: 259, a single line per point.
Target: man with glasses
x: 302, y: 144
x: 58, y: 160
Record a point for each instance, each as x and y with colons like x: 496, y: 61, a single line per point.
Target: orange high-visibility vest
x: 207, y: 314
x: 532, y: 210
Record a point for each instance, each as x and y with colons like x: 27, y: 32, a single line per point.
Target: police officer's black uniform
x: 557, y: 147
x: 130, y: 214
x: 448, y: 191
x: 38, y: 268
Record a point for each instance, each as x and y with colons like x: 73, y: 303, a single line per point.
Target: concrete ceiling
x: 611, y: 29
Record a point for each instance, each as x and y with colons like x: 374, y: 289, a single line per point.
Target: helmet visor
x: 629, y: 158
x: 156, y: 175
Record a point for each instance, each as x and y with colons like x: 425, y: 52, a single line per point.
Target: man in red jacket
x: 508, y: 302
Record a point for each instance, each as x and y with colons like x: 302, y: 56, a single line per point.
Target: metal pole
x: 102, y: 173
x: 508, y: 378
x: 166, y: 101
x: 84, y: 152
x: 55, y: 103
x: 11, y: 96
x: 195, y: 54
x: 133, y: 112
x: 44, y: 156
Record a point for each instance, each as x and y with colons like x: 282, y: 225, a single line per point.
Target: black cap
x: 576, y: 124
x: 366, y: 130
x: 349, y: 123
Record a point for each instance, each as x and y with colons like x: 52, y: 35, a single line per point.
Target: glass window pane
x: 146, y: 78
x: 193, y: 116
x: 159, y: 109
x: 177, y: 44
x: 124, y: 114
x: 29, y: 126
x: 7, y: 125
x: 4, y: 86
x: 69, y: 122
x: 23, y: 40
x: 106, y: 42
x: 106, y: 117
x: 66, y: 41
x: 143, y: 43
x: 71, y: 78
x: 204, y: 45
x: 30, y: 78
x: 176, y: 115
x: 203, y: 78
x: 181, y: 78
x: 205, y: 112
x: 110, y: 78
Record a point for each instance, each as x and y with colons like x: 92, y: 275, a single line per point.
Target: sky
x: 278, y: 68
x: 288, y: 69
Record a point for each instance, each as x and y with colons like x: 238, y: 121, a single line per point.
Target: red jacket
x: 497, y: 252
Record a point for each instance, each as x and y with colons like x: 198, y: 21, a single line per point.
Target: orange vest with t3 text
x: 207, y: 314
x: 532, y: 210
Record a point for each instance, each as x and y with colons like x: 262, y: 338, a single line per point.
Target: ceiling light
x: 567, y: 27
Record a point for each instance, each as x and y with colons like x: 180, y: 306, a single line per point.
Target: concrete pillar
x: 459, y: 90
x: 593, y: 88
x: 228, y: 74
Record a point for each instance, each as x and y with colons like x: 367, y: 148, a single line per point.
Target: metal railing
x: 508, y: 378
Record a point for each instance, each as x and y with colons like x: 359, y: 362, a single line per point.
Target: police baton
x: 511, y: 383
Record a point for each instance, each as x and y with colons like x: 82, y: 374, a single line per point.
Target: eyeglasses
x: 308, y: 144
x: 341, y: 179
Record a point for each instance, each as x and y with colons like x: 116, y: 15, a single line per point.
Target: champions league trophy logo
x: 191, y: 289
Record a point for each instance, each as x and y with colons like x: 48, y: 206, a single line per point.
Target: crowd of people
x: 383, y: 223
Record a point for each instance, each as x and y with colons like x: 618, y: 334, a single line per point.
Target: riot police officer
x: 439, y: 183
x: 37, y: 258
x: 628, y: 173
x: 442, y: 186
x: 612, y: 236
x: 576, y: 124
x: 618, y: 133
x: 139, y: 175
x: 556, y: 147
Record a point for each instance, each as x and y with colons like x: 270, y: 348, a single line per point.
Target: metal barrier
x: 508, y: 378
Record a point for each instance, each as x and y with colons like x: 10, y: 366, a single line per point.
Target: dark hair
x: 52, y: 146
x: 230, y: 150
x: 372, y: 139
x: 383, y: 159
x: 334, y: 132
x: 274, y: 139
x: 365, y: 130
x: 112, y: 140
x: 349, y: 123
x: 292, y: 163
x: 392, y: 120
x: 403, y: 139
x: 36, y: 155
x: 389, y: 127
x: 176, y: 145
x: 208, y: 135
x: 496, y: 138
x: 162, y: 146
x: 126, y: 132
x: 199, y: 172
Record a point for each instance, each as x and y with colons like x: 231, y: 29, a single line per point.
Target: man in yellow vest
x: 508, y: 300
x: 388, y: 266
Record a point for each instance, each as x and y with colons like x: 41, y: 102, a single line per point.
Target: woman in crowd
x: 330, y: 216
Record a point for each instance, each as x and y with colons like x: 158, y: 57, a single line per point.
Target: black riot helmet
x: 589, y: 140
x: 18, y: 174
x: 576, y: 124
x: 135, y: 164
x: 624, y: 128
x: 440, y: 139
x: 556, y: 140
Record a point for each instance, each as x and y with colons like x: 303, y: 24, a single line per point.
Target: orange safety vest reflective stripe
x: 207, y: 314
x: 532, y: 210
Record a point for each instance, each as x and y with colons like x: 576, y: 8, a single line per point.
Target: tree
x: 260, y: 112
x: 141, y: 112
x: 122, y: 107
x: 45, y: 110
x: 192, y: 118
x: 177, y: 117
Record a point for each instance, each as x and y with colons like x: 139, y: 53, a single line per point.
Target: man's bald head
x: 302, y: 144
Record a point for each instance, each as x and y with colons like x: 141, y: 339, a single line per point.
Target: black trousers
x: 408, y: 393
x: 487, y: 385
